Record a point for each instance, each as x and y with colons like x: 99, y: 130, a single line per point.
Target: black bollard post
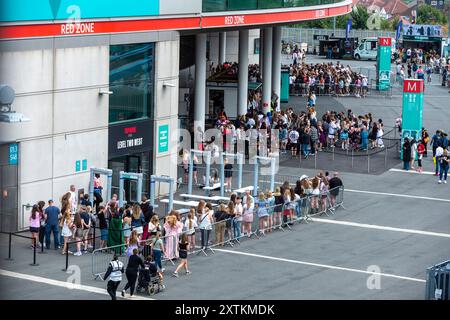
x: 9, y: 247
x: 34, y: 253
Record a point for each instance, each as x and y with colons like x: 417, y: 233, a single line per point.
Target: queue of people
x: 413, y: 150
x: 327, y: 79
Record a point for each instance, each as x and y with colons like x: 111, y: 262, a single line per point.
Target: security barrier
x: 438, y: 282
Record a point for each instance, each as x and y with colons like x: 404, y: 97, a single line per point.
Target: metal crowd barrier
x: 303, y: 89
x: 224, y: 233
x: 438, y: 282
x: 102, y: 256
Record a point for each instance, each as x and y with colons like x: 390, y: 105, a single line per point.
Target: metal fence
x: 334, y: 90
x: 438, y: 282
x: 304, y: 35
x: 255, y: 222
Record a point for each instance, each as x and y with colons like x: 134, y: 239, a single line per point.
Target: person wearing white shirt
x: 73, y: 199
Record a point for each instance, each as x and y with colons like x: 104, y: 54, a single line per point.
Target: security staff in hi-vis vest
x: 114, y: 272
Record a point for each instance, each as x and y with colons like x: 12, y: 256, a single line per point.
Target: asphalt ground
x: 395, y: 224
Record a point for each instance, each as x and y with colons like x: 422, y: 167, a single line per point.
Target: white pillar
x: 276, y: 64
x: 243, y: 73
x: 222, y: 47
x: 200, y: 80
x: 267, y: 70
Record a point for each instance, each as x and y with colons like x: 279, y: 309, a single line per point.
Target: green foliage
x: 427, y: 14
x: 359, y: 16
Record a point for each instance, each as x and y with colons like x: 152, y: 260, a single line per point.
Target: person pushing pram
x: 150, y: 279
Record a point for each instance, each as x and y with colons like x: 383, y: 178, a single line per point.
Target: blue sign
x: 13, y: 154
x: 27, y: 10
x: 84, y: 165
x: 348, y: 28
x: 78, y: 166
x: 399, y: 30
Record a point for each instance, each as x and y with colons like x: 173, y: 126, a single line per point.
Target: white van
x: 368, y: 49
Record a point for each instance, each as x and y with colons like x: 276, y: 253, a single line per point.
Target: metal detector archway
x: 106, y: 172
x: 129, y: 176
x: 256, y: 173
x: 240, y: 160
x: 191, y: 167
x: 166, y: 179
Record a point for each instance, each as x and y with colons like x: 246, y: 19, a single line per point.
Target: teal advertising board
x: 284, y: 97
x: 29, y: 10
x: 412, y: 112
x: 163, y: 138
x: 13, y: 154
x: 384, y: 63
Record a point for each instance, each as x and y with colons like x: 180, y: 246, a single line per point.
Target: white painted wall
x: 166, y: 103
x: 68, y: 121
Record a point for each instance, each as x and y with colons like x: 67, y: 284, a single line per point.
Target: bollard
x: 352, y: 158
x: 67, y: 258
x: 93, y: 240
x: 9, y: 247
x: 42, y: 248
x: 34, y: 253
x: 368, y: 161
x: 385, y: 157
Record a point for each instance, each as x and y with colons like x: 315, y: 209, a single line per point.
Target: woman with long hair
x: 66, y: 225
x: 278, y: 209
x: 171, y: 237
x: 206, y: 220
x: 35, y: 225
x: 261, y: 207
x: 247, y: 217
x: 154, y: 226
x: 190, y: 225
x: 315, y: 195
x: 137, y: 220
x: 183, y: 248
x: 133, y: 243
x: 78, y: 234
x: 41, y: 205
x: 127, y: 226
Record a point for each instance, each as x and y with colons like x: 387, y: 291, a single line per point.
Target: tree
x: 427, y: 14
x: 386, y: 25
x: 359, y: 15
x: 395, y: 21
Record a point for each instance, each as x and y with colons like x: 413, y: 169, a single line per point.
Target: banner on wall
x: 421, y: 30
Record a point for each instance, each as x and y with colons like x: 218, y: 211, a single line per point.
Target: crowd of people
x: 415, y: 150
x: 327, y: 79
x: 147, y: 239
x: 300, y: 133
x: 231, y: 70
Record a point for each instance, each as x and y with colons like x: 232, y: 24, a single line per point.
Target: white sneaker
x: 445, y: 181
x: 78, y: 253
x: 163, y: 269
x: 439, y: 181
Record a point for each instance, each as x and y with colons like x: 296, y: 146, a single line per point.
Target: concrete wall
x: 166, y: 102
x: 68, y: 121
x: 232, y: 52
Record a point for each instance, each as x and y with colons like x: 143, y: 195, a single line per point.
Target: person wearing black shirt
x: 103, y: 226
x: 335, y: 184
x: 147, y: 211
x: 132, y: 271
x: 183, y: 247
x: 228, y: 175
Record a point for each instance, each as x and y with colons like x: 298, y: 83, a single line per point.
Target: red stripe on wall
x: 191, y: 23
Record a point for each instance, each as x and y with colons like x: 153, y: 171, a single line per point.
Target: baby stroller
x: 149, y: 280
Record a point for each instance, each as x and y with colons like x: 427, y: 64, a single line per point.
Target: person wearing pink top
x: 35, y: 224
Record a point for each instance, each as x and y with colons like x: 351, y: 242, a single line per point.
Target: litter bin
x: 438, y: 278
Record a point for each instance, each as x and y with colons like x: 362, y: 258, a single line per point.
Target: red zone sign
x: 185, y: 23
